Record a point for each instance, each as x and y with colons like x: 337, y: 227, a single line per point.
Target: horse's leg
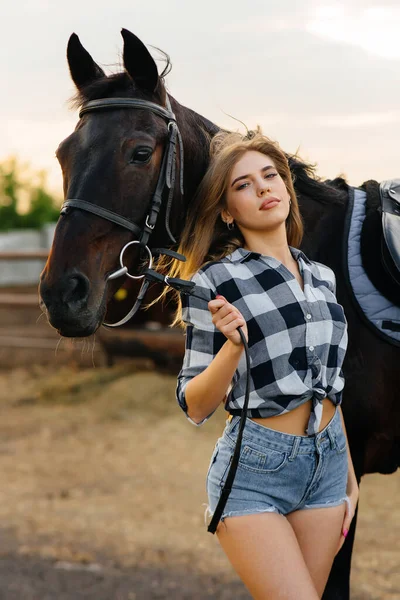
x: 338, y: 585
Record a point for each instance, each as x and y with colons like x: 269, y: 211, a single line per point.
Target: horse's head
x: 112, y: 160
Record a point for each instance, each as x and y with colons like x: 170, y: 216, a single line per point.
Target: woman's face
x: 256, y: 196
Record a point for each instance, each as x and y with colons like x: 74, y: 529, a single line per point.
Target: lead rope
x: 187, y: 287
x: 226, y: 490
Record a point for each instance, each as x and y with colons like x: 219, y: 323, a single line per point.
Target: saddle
x: 390, y: 246
x: 371, y: 256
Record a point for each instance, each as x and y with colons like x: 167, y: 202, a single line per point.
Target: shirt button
x: 311, y: 348
x: 308, y: 316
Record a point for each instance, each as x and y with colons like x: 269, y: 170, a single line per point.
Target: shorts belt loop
x: 232, y: 420
x: 332, y: 438
x: 295, y: 448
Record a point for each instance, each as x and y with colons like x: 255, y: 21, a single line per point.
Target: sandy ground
x: 103, y: 492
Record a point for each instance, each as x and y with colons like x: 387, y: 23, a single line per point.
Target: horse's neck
x: 323, y: 228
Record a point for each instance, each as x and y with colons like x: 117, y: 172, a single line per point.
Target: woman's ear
x: 225, y: 215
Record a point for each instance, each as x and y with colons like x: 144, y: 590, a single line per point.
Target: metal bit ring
x: 121, y: 256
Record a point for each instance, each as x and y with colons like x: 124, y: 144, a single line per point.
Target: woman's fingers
x: 221, y: 309
x: 219, y: 301
x: 230, y: 323
x: 215, y: 305
x: 348, y: 517
x: 226, y: 318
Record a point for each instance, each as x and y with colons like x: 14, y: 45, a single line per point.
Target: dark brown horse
x: 113, y: 159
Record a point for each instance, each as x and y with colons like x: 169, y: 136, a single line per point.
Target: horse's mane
x: 307, y: 183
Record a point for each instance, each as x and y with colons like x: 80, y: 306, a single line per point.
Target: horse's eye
x: 141, y: 155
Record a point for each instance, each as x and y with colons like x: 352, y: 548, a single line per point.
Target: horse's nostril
x: 76, y: 289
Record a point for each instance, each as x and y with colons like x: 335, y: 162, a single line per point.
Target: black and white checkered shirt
x: 297, y: 340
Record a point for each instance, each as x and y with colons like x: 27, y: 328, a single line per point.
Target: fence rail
x: 24, y: 255
x: 18, y: 300
x: 21, y: 299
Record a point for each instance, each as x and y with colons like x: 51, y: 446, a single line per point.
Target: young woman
x: 295, y: 490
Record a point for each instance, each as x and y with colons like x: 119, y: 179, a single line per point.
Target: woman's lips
x: 269, y: 203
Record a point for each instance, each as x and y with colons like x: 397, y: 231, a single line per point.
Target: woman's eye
x: 243, y: 185
x: 270, y: 175
x: 141, y: 155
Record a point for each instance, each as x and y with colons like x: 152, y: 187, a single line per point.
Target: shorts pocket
x: 257, y: 461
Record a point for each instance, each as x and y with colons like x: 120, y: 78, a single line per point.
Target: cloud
x: 266, y: 24
x: 362, y: 146
x: 327, y: 81
x: 373, y: 119
x: 373, y: 28
x: 341, y: 121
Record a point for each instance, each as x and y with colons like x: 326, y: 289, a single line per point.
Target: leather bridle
x: 166, y: 181
x: 165, y: 185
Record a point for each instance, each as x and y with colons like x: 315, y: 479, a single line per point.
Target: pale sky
x: 321, y: 77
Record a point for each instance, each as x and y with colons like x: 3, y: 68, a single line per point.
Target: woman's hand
x: 227, y: 319
x: 351, y: 504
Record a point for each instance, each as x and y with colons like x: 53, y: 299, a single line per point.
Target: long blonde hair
x: 205, y: 236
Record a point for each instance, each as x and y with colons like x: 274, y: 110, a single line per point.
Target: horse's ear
x: 82, y: 67
x: 139, y: 63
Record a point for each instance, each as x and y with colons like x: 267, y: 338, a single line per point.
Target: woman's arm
x: 207, y: 372
x: 205, y: 392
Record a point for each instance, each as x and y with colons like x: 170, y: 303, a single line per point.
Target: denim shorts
x: 279, y: 472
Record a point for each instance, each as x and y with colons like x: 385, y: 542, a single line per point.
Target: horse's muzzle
x: 69, y: 305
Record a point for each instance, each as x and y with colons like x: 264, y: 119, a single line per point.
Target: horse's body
x: 103, y: 163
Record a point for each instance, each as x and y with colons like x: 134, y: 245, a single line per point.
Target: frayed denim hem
x: 330, y: 504
x: 240, y: 513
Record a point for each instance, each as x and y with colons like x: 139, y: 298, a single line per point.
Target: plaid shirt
x: 297, y: 340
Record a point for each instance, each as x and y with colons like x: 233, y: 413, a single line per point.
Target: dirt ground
x: 103, y: 489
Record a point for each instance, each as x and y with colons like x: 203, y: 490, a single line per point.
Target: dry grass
x: 101, y: 467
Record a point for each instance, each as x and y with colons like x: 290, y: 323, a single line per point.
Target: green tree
x: 9, y: 188
x: 24, y: 199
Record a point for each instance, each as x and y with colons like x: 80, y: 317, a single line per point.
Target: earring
x: 230, y: 225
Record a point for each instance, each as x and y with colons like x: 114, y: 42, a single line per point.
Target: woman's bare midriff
x: 295, y: 422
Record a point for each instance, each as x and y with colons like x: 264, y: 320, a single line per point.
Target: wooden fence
x: 24, y: 327
x: 20, y: 299
x: 25, y: 335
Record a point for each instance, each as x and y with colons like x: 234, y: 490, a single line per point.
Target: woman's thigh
x: 318, y: 532
x: 264, y: 551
